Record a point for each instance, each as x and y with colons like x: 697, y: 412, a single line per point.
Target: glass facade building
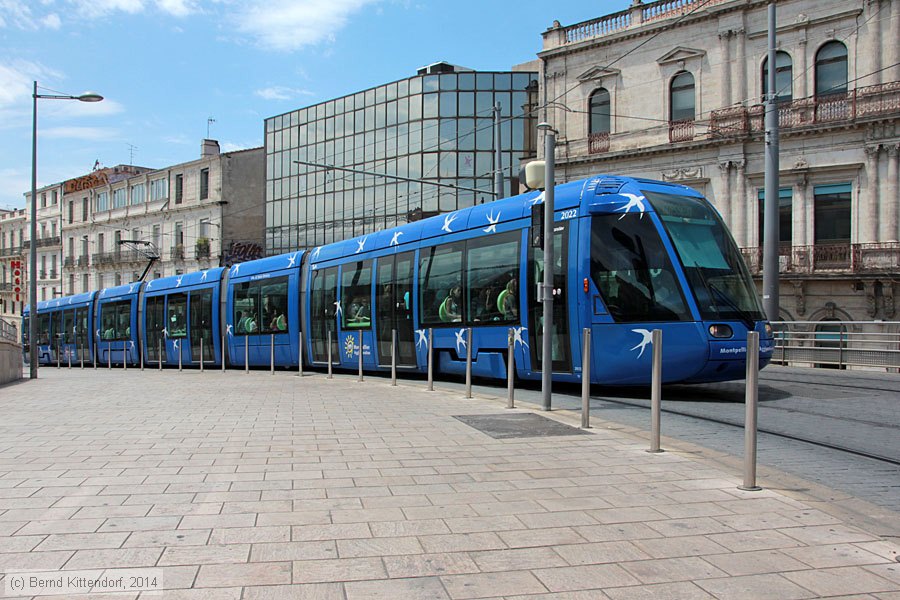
x: 436, y: 126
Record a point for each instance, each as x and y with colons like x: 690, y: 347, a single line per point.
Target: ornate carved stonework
x: 829, y: 310
x: 871, y: 306
x: 887, y: 292
x: 799, y: 297
x: 683, y: 174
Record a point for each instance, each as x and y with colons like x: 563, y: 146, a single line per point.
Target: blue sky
x: 166, y: 66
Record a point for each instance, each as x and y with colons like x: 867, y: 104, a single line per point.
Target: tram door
x: 201, y: 326
x: 322, y: 307
x: 562, y: 356
x: 156, y: 322
x: 393, y: 309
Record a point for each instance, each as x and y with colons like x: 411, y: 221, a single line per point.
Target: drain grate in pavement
x: 518, y: 425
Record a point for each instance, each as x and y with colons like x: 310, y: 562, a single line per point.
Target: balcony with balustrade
x: 855, y: 259
x: 648, y: 13
x: 869, y: 103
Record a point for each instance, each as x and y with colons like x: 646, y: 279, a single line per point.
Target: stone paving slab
x: 257, y: 486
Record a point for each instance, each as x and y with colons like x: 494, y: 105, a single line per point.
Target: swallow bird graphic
x: 492, y: 223
x: 645, y: 340
x: 203, y: 275
x: 633, y: 202
x: 395, y: 240
x: 537, y: 199
x: 315, y: 255
x: 178, y: 280
x: 228, y: 329
x: 338, y: 311
x: 460, y: 340
x: 447, y: 221
x: 360, y: 245
x: 292, y: 260
x: 149, y: 284
x: 517, y: 336
x: 421, y: 340
x: 235, y: 269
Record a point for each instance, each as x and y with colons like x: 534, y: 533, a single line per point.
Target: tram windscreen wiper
x: 744, y: 315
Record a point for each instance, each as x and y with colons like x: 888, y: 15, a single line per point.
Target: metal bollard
x: 300, y: 355
x: 81, y: 356
x: 360, y: 358
x: 223, y: 353
x: 201, y: 352
x: 655, y: 389
x: 69, y: 356
x: 330, y: 374
x: 586, y: 379
x: 159, y: 353
x: 468, y: 362
x: 109, y: 356
x: 179, y: 357
x: 141, y: 352
x: 58, y: 352
x: 394, y: 357
x: 246, y: 356
x: 510, y: 369
x: 751, y: 398
x: 272, y: 354
x: 430, y: 361
x: 124, y: 355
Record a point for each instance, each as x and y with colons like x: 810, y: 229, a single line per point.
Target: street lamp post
x: 32, y: 282
x: 547, y: 331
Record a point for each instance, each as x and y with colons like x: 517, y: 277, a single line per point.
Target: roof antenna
x: 209, y: 122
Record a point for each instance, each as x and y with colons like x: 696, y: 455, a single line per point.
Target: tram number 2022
x: 568, y: 214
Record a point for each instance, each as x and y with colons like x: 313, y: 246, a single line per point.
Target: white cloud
x: 82, y: 109
x: 280, y: 92
x: 79, y: 133
x: 291, y: 24
x: 177, y: 8
x: 180, y: 139
x: 93, y: 9
x: 51, y: 21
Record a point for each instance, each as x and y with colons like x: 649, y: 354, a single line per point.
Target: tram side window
x: 440, y: 284
x: 246, y: 309
x: 56, y: 327
x: 632, y: 270
x: 156, y: 320
x: 274, y: 305
x: 492, y: 286
x: 43, y: 332
x: 67, y: 323
x: 115, y: 319
x: 176, y: 317
x: 356, y: 295
x: 260, y: 306
x: 80, y: 327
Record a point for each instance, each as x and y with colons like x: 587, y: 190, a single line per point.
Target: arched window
x: 599, y: 115
x: 783, y: 77
x: 831, y: 69
x: 681, y: 97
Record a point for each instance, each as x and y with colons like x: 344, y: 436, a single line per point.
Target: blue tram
x: 631, y: 255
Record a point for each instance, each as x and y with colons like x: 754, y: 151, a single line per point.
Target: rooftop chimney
x: 209, y: 148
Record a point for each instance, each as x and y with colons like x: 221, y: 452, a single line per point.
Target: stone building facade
x: 196, y: 215
x: 673, y: 90
x: 13, y: 265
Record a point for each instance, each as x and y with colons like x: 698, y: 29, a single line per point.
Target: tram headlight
x: 720, y: 330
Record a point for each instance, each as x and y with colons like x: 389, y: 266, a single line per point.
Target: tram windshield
x: 633, y: 271
x: 712, y: 262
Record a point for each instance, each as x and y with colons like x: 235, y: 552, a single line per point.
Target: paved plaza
x: 260, y: 486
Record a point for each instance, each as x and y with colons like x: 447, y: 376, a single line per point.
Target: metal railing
x: 681, y: 131
x: 598, y: 142
x: 860, y: 103
x: 883, y: 257
x: 838, y: 344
